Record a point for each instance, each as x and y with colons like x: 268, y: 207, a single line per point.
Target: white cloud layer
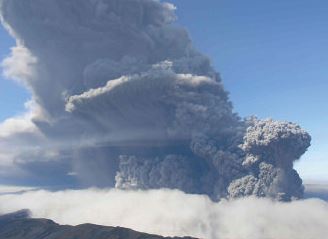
x: 174, y: 213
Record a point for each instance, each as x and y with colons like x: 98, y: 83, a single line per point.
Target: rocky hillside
x: 19, y: 226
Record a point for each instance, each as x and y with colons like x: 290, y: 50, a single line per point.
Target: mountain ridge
x: 19, y: 225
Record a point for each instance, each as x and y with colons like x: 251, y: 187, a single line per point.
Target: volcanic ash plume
x: 123, y: 99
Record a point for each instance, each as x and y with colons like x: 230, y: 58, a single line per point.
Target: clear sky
x: 272, y: 56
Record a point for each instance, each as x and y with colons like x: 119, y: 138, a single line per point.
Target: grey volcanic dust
x: 120, y: 97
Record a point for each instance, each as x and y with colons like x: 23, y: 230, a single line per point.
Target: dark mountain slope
x: 19, y: 226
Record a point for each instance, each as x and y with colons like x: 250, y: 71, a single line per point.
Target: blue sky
x: 12, y: 95
x: 272, y: 56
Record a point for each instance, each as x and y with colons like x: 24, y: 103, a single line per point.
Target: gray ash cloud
x: 124, y: 99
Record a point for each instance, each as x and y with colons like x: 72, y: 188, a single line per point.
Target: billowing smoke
x: 174, y: 213
x: 121, y: 98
